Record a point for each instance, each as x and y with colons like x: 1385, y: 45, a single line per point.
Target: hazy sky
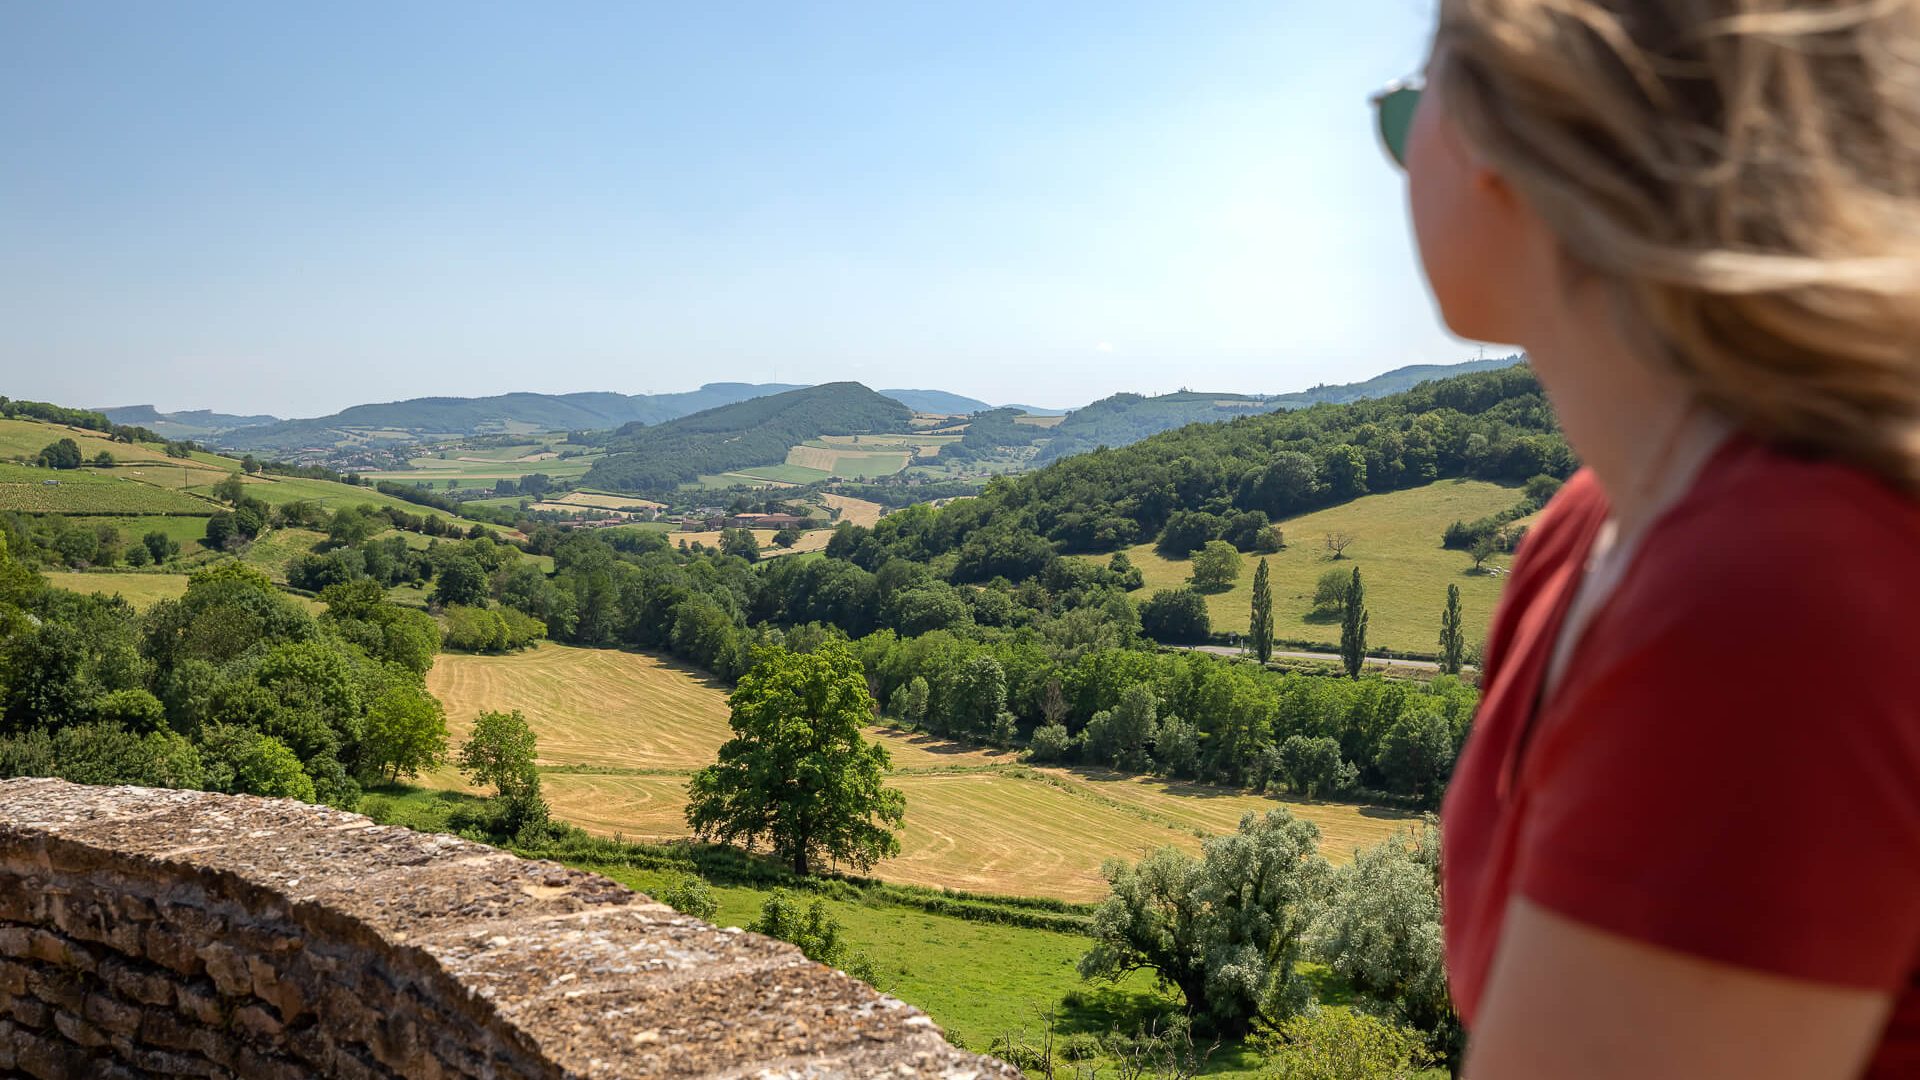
x: 292, y: 208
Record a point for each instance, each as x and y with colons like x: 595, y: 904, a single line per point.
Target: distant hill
x: 1037, y: 410
x: 186, y: 424
x: 749, y: 433
x: 1124, y: 419
x: 937, y: 401
x: 502, y: 412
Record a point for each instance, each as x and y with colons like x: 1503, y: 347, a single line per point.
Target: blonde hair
x: 1743, y: 174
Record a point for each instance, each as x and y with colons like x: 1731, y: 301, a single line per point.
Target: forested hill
x: 756, y: 432
x: 1127, y: 418
x: 1493, y: 425
x: 469, y: 416
x: 937, y: 401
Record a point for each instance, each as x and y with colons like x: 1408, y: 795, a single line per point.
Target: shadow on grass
x: 1098, y: 1009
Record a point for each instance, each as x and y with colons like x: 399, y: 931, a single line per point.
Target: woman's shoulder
x: 1764, y: 532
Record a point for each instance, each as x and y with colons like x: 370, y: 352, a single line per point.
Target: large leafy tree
x: 1215, y: 566
x: 798, y: 774
x: 1260, y: 628
x: 1225, y: 929
x: 1379, y: 931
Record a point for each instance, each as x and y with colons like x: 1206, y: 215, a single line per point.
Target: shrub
x: 689, y: 895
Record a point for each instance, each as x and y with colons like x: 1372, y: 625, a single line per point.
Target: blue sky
x: 293, y: 208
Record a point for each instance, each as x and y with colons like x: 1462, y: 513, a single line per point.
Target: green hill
x: 746, y: 435
x: 401, y: 421
x: 1124, y: 419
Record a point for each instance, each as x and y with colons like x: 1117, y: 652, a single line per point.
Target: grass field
x: 1397, y: 548
x: 621, y: 731
x: 140, y: 590
x: 89, y: 491
x: 273, y: 551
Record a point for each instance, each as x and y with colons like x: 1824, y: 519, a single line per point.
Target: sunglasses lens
x: 1396, y: 120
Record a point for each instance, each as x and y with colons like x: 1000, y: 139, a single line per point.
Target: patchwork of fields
x: 1397, y: 548
x: 620, y: 732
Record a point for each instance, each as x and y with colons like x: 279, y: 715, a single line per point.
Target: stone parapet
x: 147, y: 932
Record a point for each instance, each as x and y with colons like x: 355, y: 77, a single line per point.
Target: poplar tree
x: 1453, y: 642
x: 1260, y: 632
x: 1353, y: 626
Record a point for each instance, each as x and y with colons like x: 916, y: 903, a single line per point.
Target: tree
x: 161, y: 546
x: 60, y: 454
x: 1186, y: 531
x: 1124, y: 735
x: 915, y: 711
x: 230, y: 489
x: 1313, y: 767
x: 500, y: 753
x: 1225, y: 929
x: 242, y: 761
x: 405, y: 733
x: 1416, y: 754
x: 787, y: 537
x: 797, y: 772
x: 1330, y: 592
x: 1337, y: 543
x: 1215, y: 566
x: 740, y: 542
x: 1050, y: 742
x: 103, y: 460
x: 1177, y: 747
x: 1176, y: 616
x: 1260, y: 628
x: 250, y: 465
x: 1453, y: 640
x: 221, y: 531
x: 461, y: 581
x: 977, y: 707
x: 1378, y: 930
x: 1339, y: 1043
x: 1483, y: 549
x: 1353, y: 626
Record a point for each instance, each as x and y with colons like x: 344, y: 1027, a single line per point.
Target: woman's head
x: 1741, y: 177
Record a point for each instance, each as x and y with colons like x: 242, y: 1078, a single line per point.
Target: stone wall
x: 181, y: 933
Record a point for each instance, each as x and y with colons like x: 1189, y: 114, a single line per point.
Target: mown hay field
x: 620, y: 732
x: 1397, y: 548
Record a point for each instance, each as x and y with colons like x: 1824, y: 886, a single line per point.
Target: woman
x: 1684, y: 839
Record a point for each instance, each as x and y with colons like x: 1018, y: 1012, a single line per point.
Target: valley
x: 620, y: 732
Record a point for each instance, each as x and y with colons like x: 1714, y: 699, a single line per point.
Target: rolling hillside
x: 1397, y: 548
x: 1127, y: 418
x: 760, y: 432
x: 511, y: 413
x: 938, y: 402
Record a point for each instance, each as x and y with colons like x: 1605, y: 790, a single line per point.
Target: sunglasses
x: 1394, y: 109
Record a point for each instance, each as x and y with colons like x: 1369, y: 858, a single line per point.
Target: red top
x: 1730, y: 766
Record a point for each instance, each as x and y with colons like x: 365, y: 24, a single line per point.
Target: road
x: 1372, y: 661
